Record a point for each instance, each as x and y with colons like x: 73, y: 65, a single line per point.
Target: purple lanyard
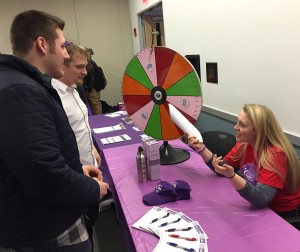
x: 250, y: 173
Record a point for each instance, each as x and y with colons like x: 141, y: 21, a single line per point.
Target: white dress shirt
x: 77, y: 114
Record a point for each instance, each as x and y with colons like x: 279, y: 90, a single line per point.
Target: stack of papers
x: 175, y: 230
x: 127, y: 120
x: 109, y: 128
x: 115, y: 139
x: 116, y: 114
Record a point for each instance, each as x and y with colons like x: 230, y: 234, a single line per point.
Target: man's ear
x: 42, y: 45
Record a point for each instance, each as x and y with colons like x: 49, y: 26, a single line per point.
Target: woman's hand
x: 194, y: 143
x: 225, y: 169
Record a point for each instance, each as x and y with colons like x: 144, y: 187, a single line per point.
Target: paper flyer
x: 176, y: 231
x: 119, y: 126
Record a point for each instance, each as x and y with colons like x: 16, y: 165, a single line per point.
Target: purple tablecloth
x: 99, y: 121
x: 230, y: 222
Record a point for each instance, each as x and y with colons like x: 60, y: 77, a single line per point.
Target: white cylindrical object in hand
x: 183, y: 123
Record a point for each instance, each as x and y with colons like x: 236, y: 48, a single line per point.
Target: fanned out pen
x: 178, y: 229
x: 182, y: 237
x: 170, y: 222
x: 181, y: 247
x: 159, y: 218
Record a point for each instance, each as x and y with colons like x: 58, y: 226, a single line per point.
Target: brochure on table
x: 174, y: 229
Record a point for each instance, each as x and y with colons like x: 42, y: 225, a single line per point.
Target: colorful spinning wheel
x: 153, y: 79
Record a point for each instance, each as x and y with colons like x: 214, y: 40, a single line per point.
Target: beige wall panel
x: 8, y: 10
x: 104, y: 26
x: 63, y: 9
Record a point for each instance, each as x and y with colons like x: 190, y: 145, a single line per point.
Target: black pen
x: 178, y: 229
x: 159, y: 218
x: 181, y: 247
x: 170, y: 222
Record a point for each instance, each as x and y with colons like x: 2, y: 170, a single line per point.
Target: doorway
x: 152, y: 27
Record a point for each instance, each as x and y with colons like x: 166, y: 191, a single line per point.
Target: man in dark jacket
x: 44, y: 189
x: 94, y: 82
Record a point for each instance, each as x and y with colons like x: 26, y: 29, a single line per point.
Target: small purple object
x: 250, y: 173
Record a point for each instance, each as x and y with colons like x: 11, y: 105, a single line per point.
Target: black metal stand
x: 170, y: 155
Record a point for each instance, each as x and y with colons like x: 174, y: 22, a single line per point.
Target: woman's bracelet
x: 201, y: 149
x: 231, y: 176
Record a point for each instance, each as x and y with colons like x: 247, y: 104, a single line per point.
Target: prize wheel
x: 154, y: 78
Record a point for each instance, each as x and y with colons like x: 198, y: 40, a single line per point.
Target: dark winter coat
x: 42, y: 188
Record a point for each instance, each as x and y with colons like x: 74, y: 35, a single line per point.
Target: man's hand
x: 92, y: 172
x: 103, y: 187
x: 97, y: 156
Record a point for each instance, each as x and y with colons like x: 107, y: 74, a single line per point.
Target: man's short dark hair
x: 29, y: 25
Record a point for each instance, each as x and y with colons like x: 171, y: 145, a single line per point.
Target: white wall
x: 256, y: 44
x: 103, y: 25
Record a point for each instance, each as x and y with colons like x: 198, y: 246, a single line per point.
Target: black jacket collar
x: 11, y: 62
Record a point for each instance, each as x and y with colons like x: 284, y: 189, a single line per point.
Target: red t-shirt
x: 284, y: 200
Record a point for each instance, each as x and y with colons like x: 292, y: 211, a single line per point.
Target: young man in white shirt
x: 74, y: 71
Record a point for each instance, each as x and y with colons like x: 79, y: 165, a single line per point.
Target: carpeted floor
x: 107, y: 233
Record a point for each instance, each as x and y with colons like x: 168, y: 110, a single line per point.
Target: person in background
x: 267, y: 162
x: 94, y: 82
x: 44, y: 189
x: 74, y: 71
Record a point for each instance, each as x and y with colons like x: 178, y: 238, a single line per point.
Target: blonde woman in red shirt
x: 263, y: 166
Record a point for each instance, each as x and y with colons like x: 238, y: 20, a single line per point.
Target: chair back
x: 218, y: 142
